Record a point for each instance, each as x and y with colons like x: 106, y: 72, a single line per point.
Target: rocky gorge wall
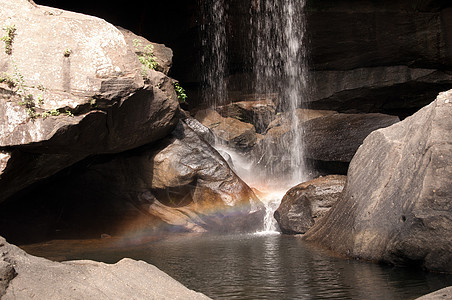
x: 76, y: 92
x: 382, y: 56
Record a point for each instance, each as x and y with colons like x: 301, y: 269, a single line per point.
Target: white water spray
x: 214, y: 52
x: 280, y: 67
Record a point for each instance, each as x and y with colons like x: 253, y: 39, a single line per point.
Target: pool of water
x: 265, y: 266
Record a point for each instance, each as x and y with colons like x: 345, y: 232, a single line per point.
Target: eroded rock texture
x: 72, y: 87
x: 34, y: 277
x: 396, y: 206
x: 180, y: 184
x: 308, y: 202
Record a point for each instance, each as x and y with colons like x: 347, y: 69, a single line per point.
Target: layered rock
x: 27, y: 276
x: 258, y: 112
x: 230, y: 131
x: 72, y: 87
x: 180, y: 184
x: 328, y: 138
x: 306, y: 203
x: 396, y: 206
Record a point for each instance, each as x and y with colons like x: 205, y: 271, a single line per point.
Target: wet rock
x: 396, y: 206
x: 73, y: 88
x: 179, y: 185
x: 329, y: 137
x: 391, y: 58
x: 40, y: 278
x: 201, y: 130
x: 337, y: 137
x: 259, y: 113
x: 229, y: 131
x: 306, y: 203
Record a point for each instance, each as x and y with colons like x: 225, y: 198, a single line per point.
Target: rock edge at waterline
x: 397, y: 203
x: 23, y: 276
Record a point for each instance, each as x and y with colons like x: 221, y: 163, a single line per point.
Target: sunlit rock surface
x: 308, y: 202
x: 23, y: 276
x: 442, y: 294
x: 230, y: 131
x: 257, y: 112
x: 71, y: 87
x: 180, y: 184
x: 396, y: 206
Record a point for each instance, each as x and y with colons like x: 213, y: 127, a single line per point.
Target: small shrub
x: 146, y: 57
x: 9, y: 38
x: 180, y: 91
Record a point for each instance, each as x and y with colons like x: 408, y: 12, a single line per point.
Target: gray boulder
x: 442, y: 294
x: 306, y: 203
x: 396, y: 206
x: 33, y: 277
x: 71, y: 87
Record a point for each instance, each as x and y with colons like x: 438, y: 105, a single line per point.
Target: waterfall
x: 214, y: 51
x: 280, y: 67
x: 279, y: 59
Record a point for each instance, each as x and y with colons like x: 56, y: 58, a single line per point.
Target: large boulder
x: 181, y: 184
x: 306, y: 203
x: 229, y: 131
x: 442, y: 294
x: 396, y: 206
x: 27, y: 277
x: 70, y: 87
x: 258, y: 112
x: 329, y: 138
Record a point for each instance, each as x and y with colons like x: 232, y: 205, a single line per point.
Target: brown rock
x: 84, y: 90
x: 259, y: 113
x: 230, y: 131
x: 306, y: 203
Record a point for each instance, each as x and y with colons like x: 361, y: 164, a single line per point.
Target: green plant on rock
x: 9, y: 38
x: 146, y: 56
x: 8, y: 79
x: 181, y: 94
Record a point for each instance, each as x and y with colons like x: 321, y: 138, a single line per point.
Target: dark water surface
x: 255, y: 267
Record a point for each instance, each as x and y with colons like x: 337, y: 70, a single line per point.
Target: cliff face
x: 366, y: 56
x: 74, y: 87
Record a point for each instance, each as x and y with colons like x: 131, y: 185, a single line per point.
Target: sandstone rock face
x: 72, y: 87
x: 306, y: 203
x: 329, y: 137
x: 337, y: 137
x: 40, y: 278
x: 379, y: 56
x: 396, y: 206
x: 442, y: 294
x: 230, y: 131
x: 179, y: 185
x: 259, y: 112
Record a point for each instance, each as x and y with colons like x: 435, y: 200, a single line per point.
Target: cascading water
x: 280, y: 67
x: 214, y: 49
x: 277, y: 30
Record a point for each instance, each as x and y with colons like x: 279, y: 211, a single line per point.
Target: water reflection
x: 256, y: 267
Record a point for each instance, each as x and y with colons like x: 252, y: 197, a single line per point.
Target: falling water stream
x: 280, y: 67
